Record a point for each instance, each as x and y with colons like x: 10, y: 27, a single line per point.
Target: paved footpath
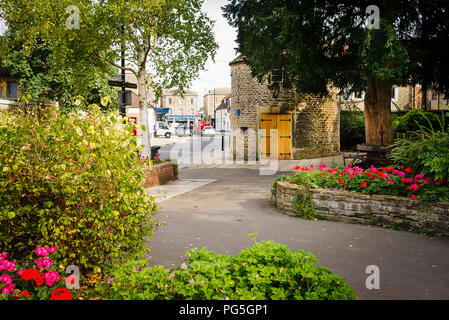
x: 233, y: 203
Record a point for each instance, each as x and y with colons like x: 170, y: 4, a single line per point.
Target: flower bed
x: 32, y: 281
x: 387, y: 196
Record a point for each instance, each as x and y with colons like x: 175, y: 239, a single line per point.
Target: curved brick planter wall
x: 159, y: 174
x: 387, y: 211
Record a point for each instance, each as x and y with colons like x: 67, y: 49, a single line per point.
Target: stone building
x: 212, y: 100
x: 186, y: 105
x: 307, y: 126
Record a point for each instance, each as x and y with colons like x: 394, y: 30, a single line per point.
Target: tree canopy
x: 316, y: 44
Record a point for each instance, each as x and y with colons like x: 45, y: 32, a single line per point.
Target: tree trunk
x: 378, y: 128
x: 143, y: 105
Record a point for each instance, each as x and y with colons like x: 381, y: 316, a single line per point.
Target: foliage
x: 384, y: 181
x: 352, y: 129
x: 172, y: 38
x: 267, y: 270
x: 316, y: 44
x: 39, y: 281
x: 414, y: 120
x: 426, y: 152
x: 72, y: 181
x: 304, y: 204
x: 44, y: 79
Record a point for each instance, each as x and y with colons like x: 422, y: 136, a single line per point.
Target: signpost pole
x: 122, y: 107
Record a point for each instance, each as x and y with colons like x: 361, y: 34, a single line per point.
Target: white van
x: 163, y: 129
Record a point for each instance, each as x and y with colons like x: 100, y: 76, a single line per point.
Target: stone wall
x: 160, y: 174
x: 381, y: 210
x: 315, y: 121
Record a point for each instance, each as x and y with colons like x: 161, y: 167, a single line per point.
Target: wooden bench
x: 356, y: 157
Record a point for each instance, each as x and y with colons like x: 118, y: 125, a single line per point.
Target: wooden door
x: 284, y: 126
x: 267, y: 122
x: 282, y: 123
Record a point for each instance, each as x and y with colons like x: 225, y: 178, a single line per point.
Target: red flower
x: 291, y: 182
x: 30, y: 274
x: 384, y: 169
x: 297, y: 167
x: 403, y: 179
x: 340, y: 180
x: 39, y: 280
x: 61, y: 294
x: 26, y: 293
x: 363, y: 184
x: 408, y: 170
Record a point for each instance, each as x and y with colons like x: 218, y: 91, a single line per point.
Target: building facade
x: 186, y: 105
x: 212, y: 100
x: 223, y: 115
x: 303, y: 126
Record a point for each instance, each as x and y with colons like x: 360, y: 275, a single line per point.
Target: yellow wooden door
x: 267, y: 122
x: 282, y: 123
x: 284, y: 126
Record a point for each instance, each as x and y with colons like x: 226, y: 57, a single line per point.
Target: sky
x: 218, y: 74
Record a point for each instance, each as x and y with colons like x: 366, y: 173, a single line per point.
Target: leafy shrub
x: 426, y: 152
x: 414, y: 120
x: 267, y: 270
x: 352, y: 129
x: 73, y: 182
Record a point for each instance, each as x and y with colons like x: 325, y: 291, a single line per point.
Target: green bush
x: 426, y: 152
x: 267, y: 270
x: 74, y: 182
x: 414, y: 120
x: 352, y: 129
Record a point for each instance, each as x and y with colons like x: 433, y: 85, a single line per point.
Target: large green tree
x: 314, y: 45
x: 171, y: 39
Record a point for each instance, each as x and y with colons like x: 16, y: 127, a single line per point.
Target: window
x: 192, y: 111
x: 170, y: 111
x: 434, y: 95
x: 169, y: 101
x: 192, y: 101
x: 181, y: 101
x: 394, y: 93
x: 181, y: 111
x: 12, y: 90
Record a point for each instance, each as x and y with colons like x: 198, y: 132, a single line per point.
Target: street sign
x: 118, y: 83
x: 128, y: 98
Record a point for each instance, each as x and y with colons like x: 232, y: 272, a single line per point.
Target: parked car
x: 163, y: 129
x: 208, y: 131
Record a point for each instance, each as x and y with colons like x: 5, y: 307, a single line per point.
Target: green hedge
x: 74, y: 182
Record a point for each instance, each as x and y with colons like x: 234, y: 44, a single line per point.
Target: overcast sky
x: 218, y: 74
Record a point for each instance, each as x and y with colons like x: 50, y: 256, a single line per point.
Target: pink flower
x: 52, y: 249
x: 413, y: 196
x: 51, y: 277
x: 413, y: 187
x: 20, y: 272
x: 5, y: 290
x: 41, y: 251
x: 311, y: 166
x: 419, y: 176
x: 390, y: 182
x: 172, y: 275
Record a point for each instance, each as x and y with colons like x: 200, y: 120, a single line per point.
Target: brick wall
x: 159, y: 174
x: 386, y: 211
x: 315, y: 120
